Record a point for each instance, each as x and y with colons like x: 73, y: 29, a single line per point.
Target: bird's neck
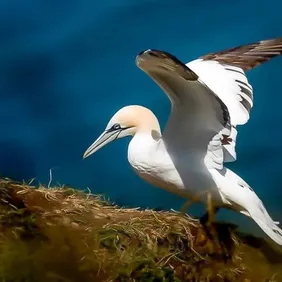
x: 146, y: 139
x: 143, y: 144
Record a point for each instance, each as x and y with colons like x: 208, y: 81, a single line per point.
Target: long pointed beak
x: 105, y: 138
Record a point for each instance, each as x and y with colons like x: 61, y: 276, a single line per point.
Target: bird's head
x: 125, y: 122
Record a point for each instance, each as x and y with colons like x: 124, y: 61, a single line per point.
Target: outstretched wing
x: 223, y: 72
x: 198, y: 117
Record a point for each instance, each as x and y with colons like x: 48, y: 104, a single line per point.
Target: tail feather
x: 244, y: 199
x: 270, y: 228
x: 265, y: 222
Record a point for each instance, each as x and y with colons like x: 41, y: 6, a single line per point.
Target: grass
x: 61, y: 234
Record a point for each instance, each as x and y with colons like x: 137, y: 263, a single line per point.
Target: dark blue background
x: 67, y: 66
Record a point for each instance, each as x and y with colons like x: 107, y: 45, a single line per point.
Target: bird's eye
x: 116, y: 126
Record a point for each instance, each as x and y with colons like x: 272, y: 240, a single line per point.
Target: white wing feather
x: 232, y: 87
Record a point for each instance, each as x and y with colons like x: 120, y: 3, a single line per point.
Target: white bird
x: 209, y: 97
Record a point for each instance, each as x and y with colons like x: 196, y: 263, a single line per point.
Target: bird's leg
x: 211, y: 210
x: 185, y: 206
x: 207, y: 221
x: 209, y: 217
x: 189, y: 202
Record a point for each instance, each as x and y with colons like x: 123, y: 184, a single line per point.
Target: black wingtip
x: 250, y: 55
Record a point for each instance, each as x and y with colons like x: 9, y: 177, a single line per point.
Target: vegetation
x: 61, y: 234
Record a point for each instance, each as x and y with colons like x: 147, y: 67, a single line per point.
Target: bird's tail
x: 260, y: 215
x: 244, y: 197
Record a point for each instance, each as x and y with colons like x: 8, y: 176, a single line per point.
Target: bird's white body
x: 151, y: 160
x: 210, y: 97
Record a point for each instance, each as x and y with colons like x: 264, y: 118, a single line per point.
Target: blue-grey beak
x: 105, y: 138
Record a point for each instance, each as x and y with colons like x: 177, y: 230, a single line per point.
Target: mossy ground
x: 60, y: 234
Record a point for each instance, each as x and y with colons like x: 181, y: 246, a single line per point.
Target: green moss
x: 61, y: 234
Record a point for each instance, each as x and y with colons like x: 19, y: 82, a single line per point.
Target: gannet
x: 210, y: 96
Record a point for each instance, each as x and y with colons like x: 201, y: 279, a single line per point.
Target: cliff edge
x: 62, y: 234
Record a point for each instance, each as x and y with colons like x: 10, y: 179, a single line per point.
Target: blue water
x: 67, y: 66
